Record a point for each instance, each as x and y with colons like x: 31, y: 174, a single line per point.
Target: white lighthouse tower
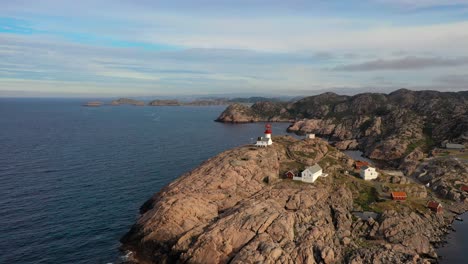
x: 266, y: 140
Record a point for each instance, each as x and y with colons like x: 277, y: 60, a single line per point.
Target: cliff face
x: 237, y: 208
x: 260, y: 111
x: 386, y: 127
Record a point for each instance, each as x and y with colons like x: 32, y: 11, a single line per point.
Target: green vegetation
x: 367, y: 196
x: 381, y: 111
x: 327, y: 161
x: 364, y: 126
x: 426, y: 144
x: 290, y: 165
x: 310, y: 155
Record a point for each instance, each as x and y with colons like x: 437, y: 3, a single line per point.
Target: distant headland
x: 175, y: 102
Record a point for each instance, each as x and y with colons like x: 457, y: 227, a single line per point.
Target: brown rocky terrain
x: 445, y: 176
x: 237, y: 208
x: 385, y: 127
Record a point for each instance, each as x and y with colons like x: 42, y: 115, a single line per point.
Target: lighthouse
x: 265, y: 140
x: 268, y: 131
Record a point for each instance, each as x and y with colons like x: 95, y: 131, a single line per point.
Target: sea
x: 72, y: 178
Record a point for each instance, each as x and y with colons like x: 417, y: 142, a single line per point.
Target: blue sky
x: 143, y: 47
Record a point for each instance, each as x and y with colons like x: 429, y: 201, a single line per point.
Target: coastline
x: 439, y: 225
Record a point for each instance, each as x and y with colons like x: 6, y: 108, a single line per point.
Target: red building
x: 464, y: 188
x: 360, y: 164
x: 289, y: 174
x: 434, y: 206
x: 399, y: 196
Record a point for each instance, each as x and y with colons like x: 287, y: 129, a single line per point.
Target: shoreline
x: 429, y: 221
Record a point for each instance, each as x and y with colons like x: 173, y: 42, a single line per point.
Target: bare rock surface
x: 237, y: 208
x: 385, y: 127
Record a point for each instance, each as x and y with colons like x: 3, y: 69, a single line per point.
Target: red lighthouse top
x: 267, y: 129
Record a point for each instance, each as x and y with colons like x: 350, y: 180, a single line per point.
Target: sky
x: 221, y: 47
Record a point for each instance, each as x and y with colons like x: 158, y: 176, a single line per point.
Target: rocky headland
x: 396, y: 128
x: 238, y: 208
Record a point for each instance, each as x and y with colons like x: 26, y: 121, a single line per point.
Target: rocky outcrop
x: 237, y: 208
x: 384, y: 126
x: 445, y: 176
x: 238, y: 113
x: 260, y: 111
x: 127, y: 101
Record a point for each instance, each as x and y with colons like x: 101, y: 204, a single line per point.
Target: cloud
x: 406, y: 63
x: 210, y: 45
x: 423, y: 3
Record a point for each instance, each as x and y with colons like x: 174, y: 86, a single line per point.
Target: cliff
x: 385, y: 126
x: 237, y: 208
x: 260, y: 111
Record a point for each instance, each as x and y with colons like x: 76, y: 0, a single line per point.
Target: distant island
x: 93, y: 104
x: 196, y: 102
x: 127, y: 101
x: 164, y: 103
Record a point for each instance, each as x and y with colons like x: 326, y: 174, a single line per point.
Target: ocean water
x: 456, y: 248
x: 72, y: 178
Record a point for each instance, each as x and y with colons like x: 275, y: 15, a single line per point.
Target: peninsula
x: 239, y: 207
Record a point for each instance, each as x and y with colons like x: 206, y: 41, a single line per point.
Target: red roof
x: 399, y: 195
x: 464, y: 188
x: 360, y: 164
x: 433, y: 204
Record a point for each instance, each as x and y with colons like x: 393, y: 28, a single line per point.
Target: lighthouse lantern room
x: 265, y: 140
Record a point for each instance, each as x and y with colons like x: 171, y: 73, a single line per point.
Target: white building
x: 454, y: 146
x: 310, y: 136
x: 266, y: 140
x: 368, y: 173
x: 311, y: 174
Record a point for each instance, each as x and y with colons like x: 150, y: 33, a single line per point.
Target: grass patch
x: 367, y: 196
x: 327, y: 160
x: 290, y: 165
x: 310, y: 155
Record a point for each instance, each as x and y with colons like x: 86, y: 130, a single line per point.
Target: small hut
x: 434, y: 206
x: 289, y: 174
x: 399, y: 196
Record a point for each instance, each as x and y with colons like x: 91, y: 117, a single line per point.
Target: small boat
x: 458, y: 218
